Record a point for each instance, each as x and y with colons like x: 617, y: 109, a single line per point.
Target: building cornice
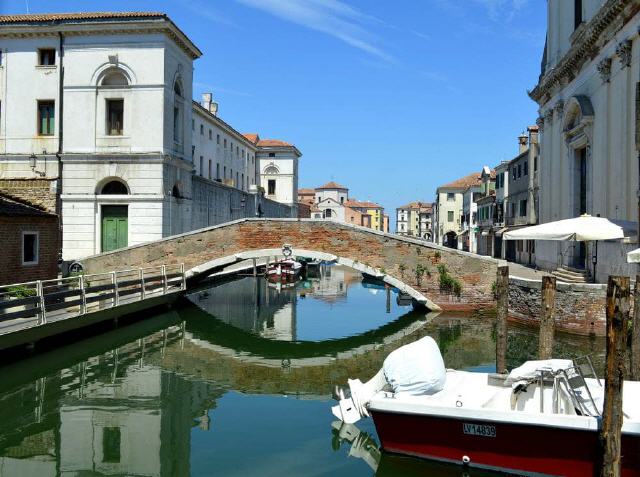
x: 153, y: 26
x: 585, y: 46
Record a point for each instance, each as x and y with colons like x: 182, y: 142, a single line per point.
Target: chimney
x: 209, y: 104
x: 533, y: 134
x: 523, y: 142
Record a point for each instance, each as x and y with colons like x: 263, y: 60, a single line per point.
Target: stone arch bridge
x: 414, y: 266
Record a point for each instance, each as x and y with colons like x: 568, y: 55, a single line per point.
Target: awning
x: 583, y: 228
x: 634, y: 256
x: 501, y: 231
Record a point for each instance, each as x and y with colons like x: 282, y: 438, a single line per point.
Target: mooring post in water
x: 547, y: 317
x: 634, y: 367
x: 255, y: 269
x: 388, y: 298
x: 618, y: 291
x: 502, y: 310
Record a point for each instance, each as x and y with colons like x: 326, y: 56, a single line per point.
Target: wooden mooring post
x: 618, y: 294
x: 502, y: 311
x: 547, y: 317
x: 634, y: 365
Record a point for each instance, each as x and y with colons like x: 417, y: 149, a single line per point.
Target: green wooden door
x: 114, y: 227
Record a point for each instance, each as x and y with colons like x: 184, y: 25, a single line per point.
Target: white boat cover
x: 416, y: 368
x: 583, y: 228
x: 531, y: 369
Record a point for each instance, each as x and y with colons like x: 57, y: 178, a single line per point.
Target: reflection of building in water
x: 331, y: 282
x: 137, y: 424
x: 252, y: 305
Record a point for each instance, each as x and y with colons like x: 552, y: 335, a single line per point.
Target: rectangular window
x: 237, y: 179
x: 217, y: 138
x: 111, y: 443
x: 30, y: 248
x: 450, y: 216
x: 115, y: 117
x: 577, y: 18
x: 526, y: 168
x: 242, y: 183
x: 451, y: 196
x: 218, y: 171
x: 224, y: 171
x: 202, y: 129
x: 535, y: 164
x: 201, y: 166
x: 210, y: 134
x: 46, y: 118
x: 272, y: 154
x: 46, y: 57
x: 271, y: 186
x: 193, y: 152
x: 513, y: 173
x: 210, y: 168
x: 193, y: 124
x: 523, y: 208
x: 519, y: 170
x: 225, y: 143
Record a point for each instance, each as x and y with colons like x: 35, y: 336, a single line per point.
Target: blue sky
x: 391, y: 98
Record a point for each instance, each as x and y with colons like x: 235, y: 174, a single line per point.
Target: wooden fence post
x: 634, y: 368
x: 618, y: 291
x: 502, y: 310
x: 547, y: 317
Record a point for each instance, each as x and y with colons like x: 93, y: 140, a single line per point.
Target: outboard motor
x: 414, y: 369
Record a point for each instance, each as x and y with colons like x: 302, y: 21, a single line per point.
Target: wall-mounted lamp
x: 32, y: 162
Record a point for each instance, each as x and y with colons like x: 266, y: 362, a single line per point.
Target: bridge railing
x: 61, y: 298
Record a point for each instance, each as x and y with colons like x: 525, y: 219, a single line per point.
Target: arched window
x: 114, y: 77
x: 176, y: 192
x: 178, y: 112
x: 114, y: 188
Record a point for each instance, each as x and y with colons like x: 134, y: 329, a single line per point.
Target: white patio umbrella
x: 634, y: 256
x: 579, y: 229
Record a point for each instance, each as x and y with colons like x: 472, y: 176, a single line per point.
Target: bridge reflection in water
x: 235, y: 382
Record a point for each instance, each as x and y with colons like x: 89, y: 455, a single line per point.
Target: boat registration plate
x: 482, y: 430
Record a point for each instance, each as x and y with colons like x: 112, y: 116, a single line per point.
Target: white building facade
x: 588, y: 119
x: 122, y: 157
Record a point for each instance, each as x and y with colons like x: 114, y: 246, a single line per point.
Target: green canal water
x: 235, y: 381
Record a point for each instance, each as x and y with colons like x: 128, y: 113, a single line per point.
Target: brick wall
x: 11, y: 268
x: 580, y: 307
x: 39, y: 192
x: 392, y: 254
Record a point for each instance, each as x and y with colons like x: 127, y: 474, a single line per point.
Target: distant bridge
x: 414, y: 266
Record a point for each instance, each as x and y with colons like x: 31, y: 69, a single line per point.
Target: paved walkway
x: 517, y: 270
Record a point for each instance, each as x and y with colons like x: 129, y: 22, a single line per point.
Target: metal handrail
x: 79, y: 294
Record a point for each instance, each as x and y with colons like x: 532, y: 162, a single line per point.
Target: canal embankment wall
x: 579, y: 307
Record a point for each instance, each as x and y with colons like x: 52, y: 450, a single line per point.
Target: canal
x: 235, y: 381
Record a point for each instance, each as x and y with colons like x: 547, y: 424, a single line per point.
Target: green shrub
x: 21, y: 291
x: 447, y: 282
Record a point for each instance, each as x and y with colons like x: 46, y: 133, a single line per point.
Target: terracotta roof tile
x: 464, y: 182
x: 253, y: 137
x: 306, y: 191
x: 11, y: 206
x: 362, y: 204
x: 273, y: 143
x: 332, y: 185
x: 49, y: 17
x: 417, y: 205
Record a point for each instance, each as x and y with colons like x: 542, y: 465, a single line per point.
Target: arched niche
x: 112, y: 186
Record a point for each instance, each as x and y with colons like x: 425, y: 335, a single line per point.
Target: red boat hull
x: 522, y: 448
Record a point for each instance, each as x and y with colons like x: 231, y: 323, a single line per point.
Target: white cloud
x: 331, y: 17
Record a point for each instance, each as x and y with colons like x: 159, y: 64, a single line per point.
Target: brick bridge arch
x: 415, y: 266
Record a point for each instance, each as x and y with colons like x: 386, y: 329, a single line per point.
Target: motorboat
x: 542, y: 419
x: 286, y: 270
